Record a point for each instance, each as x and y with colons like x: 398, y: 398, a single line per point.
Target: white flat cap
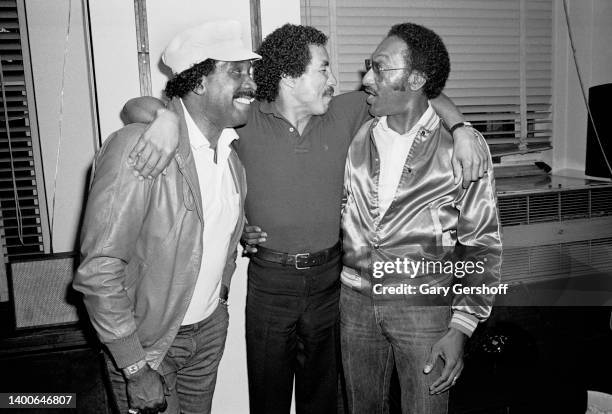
x: 219, y: 40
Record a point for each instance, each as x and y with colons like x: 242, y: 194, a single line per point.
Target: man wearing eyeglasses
x: 294, y: 148
x: 408, y: 230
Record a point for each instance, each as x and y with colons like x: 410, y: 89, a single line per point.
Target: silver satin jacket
x: 430, y: 219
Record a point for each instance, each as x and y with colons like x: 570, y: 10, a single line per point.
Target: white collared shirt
x: 393, y: 148
x: 220, y: 207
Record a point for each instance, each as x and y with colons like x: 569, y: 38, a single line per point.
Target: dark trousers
x: 189, y: 368
x: 292, y: 330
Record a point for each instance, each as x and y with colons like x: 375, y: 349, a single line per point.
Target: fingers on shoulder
x: 115, y: 151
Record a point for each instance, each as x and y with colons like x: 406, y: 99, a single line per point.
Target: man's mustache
x: 329, y: 91
x: 249, y: 94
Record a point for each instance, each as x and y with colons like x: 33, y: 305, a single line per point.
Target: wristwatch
x: 130, y: 370
x: 459, y: 125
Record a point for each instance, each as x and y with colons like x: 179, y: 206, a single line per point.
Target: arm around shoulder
x: 470, y: 159
x: 141, y: 109
x: 156, y: 145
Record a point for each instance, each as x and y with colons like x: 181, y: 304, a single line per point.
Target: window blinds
x: 21, y: 214
x: 501, y: 57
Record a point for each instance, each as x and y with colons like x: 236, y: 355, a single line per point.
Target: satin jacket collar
x: 427, y: 123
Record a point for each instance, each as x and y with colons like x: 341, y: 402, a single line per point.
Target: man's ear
x: 287, y: 81
x: 201, y: 86
x: 416, y: 80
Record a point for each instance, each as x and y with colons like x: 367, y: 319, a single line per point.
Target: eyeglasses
x: 376, y: 67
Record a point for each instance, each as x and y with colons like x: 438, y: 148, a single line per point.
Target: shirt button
x: 291, y: 129
x: 376, y: 245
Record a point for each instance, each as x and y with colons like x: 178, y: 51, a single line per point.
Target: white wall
x: 601, y: 56
x: 47, y: 30
x: 275, y: 13
x: 113, y: 37
x: 592, y: 32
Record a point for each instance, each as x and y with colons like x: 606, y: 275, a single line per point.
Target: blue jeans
x: 189, y: 368
x: 291, y: 330
x: 374, y: 337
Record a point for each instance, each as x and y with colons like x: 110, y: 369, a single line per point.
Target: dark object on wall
x: 543, y: 166
x: 41, y: 291
x: 599, y: 97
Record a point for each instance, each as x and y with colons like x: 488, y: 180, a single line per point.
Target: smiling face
x: 389, y: 90
x: 314, y: 89
x: 227, y: 93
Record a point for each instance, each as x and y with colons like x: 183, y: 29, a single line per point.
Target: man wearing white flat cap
x: 158, y: 255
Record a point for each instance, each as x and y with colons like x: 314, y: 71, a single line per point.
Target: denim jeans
x: 189, y: 368
x: 374, y: 337
x: 292, y: 330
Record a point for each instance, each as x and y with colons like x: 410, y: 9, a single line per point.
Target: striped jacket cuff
x: 464, y: 322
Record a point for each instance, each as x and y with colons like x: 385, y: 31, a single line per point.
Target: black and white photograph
x: 306, y: 206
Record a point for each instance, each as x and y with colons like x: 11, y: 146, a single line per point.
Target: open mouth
x: 244, y: 100
x: 371, y: 95
x: 244, y: 97
x: 328, y: 93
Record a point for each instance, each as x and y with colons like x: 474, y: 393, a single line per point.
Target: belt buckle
x: 297, y: 256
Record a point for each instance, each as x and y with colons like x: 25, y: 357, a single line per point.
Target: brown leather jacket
x: 141, y: 247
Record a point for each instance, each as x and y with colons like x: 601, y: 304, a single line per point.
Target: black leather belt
x: 300, y: 260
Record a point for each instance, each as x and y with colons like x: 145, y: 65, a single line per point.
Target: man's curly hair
x: 285, y: 51
x: 186, y: 81
x: 426, y: 54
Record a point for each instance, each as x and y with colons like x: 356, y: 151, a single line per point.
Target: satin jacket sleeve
x: 479, y: 241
